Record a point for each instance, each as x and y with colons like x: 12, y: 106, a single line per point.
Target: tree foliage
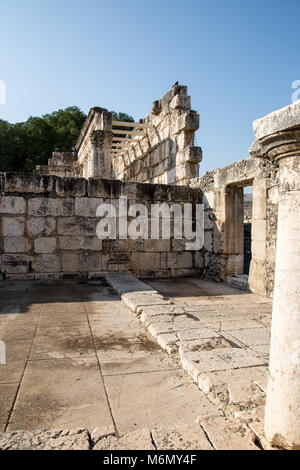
x: 27, y: 144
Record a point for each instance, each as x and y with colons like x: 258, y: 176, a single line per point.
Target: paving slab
x: 7, y: 394
x: 251, y: 336
x: 61, y: 393
x: 67, y: 340
x: 226, y: 434
x: 236, y: 389
x: 135, y: 440
x: 155, y: 398
x: 17, y: 352
x: 180, y: 437
x: 133, y: 356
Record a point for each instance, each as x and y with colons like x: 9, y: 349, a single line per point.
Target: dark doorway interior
x: 248, y: 200
x: 247, y: 247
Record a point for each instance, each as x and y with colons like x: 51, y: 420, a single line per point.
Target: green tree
x: 67, y: 124
x: 27, y: 144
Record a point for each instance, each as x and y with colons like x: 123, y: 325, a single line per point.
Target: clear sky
x: 237, y: 57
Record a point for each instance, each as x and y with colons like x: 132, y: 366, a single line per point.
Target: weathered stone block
x: 181, y: 102
x: 71, y: 187
x: 148, y: 261
x: 12, y: 205
x: 157, y: 245
x: 54, y: 207
x: 188, y: 121
x: 179, y: 260
x: 40, y: 226
x: 15, y: 263
x: 47, y: 276
x: 13, y: 226
x: 70, y: 262
x: 92, y: 262
x: 80, y: 243
x: 16, y: 245
x: 45, y: 245
x: 77, y: 226
x: 47, y: 263
x: 87, y: 206
x: 27, y: 183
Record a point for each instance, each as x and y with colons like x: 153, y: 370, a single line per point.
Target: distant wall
x: 48, y: 230
x: 166, y: 154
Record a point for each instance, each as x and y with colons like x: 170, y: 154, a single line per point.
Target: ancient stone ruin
x: 54, y: 210
x: 49, y: 220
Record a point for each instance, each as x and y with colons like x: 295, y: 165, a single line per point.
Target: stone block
x: 148, y: 261
x: 103, y: 188
x: 189, y: 154
x: 178, y: 260
x: 157, y: 245
x: 19, y: 277
x: 27, y: 183
x: 66, y: 187
x: 13, y: 226
x: 188, y: 121
x: 285, y: 118
x: 45, y: 245
x: 92, y: 262
x: 135, y: 440
x: 53, y: 207
x: 15, y: 264
x: 181, y: 102
x: 16, y: 245
x: 72, y: 226
x: 12, y: 205
x: 226, y: 434
x: 40, y: 226
x: 70, y: 262
x: 87, y: 206
x: 80, y: 243
x: 47, y: 263
x: 181, y: 436
x: 47, y: 276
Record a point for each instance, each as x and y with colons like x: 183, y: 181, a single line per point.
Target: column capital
x: 278, y: 134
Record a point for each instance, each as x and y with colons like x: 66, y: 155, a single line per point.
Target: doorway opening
x: 238, y: 231
x: 248, y: 204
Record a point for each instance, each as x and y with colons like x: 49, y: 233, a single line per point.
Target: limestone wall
x: 166, y: 154
x: 223, y: 193
x: 48, y: 230
x: 61, y: 164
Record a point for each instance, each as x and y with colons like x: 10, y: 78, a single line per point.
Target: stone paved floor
x: 219, y: 335
x: 77, y: 357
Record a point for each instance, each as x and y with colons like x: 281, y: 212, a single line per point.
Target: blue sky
x: 238, y: 59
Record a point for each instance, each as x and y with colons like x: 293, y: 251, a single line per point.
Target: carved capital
x: 280, y: 145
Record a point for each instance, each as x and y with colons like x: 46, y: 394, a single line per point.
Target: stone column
x: 99, y: 159
x: 278, y: 138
